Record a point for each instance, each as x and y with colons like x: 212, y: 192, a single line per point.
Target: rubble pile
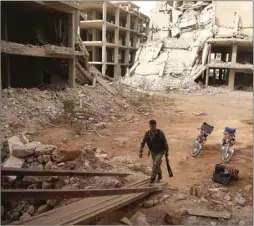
x: 29, y: 108
x: 178, y: 54
x: 41, y: 156
x: 171, y: 68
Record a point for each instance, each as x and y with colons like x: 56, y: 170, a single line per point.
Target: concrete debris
x: 25, y: 150
x: 30, y: 109
x: 240, y: 200
x: 126, y: 221
x: 43, y: 208
x: 184, y: 29
x: 139, y: 219
x: 15, y: 163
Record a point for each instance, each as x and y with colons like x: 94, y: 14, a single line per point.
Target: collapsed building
x: 112, y: 32
x: 196, y: 43
x: 38, y: 49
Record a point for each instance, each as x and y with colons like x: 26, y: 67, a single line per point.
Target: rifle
x: 170, y: 173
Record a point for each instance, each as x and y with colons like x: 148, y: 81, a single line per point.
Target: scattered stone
x: 24, y: 138
x: 148, y: 203
x: 66, y: 154
x: 163, y: 198
x: 33, y: 186
x: 173, y: 215
x: 25, y: 150
x: 40, y: 167
x: 28, y: 180
x: 14, y: 141
x: 25, y: 216
x: 46, y: 158
x: 61, y: 164
x: 139, y: 219
x: 213, y: 223
x: 51, y: 202
x: 101, y: 125
x: 241, y: 222
x: 126, y: 221
x: 43, y: 208
x: 49, y: 165
x: 44, y: 149
x: 13, y: 162
x: 248, y: 187
x: 239, y: 200
x: 30, y: 160
x: 40, y: 159
x: 15, y: 216
x: 46, y: 185
x: 31, y: 210
x: 227, y: 197
x: 180, y: 197
x: 54, y: 167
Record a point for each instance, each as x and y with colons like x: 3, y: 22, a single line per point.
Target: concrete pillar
x: 94, y: 34
x: 94, y: 14
x: 207, y: 77
x: 104, y: 39
x: 231, y: 80
x: 94, y: 58
x: 234, y: 54
x: 71, y: 44
x: 127, y: 40
x: 117, y: 68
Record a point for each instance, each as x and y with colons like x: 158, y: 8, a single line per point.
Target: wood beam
x: 36, y: 172
x: 44, y: 194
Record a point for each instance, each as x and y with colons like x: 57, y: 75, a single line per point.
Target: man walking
x: 158, y: 146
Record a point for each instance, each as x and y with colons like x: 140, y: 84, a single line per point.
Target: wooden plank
x: 86, y: 74
x: 205, y: 53
x: 36, y: 172
x: 158, y: 51
x: 205, y: 213
x: 44, y: 194
x: 77, y: 210
x: 105, y: 85
x: 199, y: 73
x: 43, y: 51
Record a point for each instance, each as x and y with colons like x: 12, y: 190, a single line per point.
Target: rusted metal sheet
x: 44, y: 194
x: 36, y: 172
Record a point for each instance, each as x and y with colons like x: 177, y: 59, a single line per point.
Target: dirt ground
x: 178, y: 119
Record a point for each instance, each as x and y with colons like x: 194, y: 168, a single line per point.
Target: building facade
x: 111, y: 33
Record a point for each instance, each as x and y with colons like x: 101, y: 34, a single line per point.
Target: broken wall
x: 224, y: 15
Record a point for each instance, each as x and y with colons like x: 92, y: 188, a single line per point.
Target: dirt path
x: 178, y: 121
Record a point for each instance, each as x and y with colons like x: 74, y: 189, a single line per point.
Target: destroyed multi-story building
x: 38, y: 43
x: 208, y: 42
x: 112, y: 32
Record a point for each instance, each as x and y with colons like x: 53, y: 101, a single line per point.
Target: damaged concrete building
x: 112, y: 32
x: 40, y: 44
x: 196, y: 42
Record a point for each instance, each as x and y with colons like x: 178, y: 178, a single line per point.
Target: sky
x: 145, y: 6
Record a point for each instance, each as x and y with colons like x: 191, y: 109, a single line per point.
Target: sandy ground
x: 179, y: 122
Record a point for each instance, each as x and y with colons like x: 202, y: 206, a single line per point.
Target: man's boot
x: 159, y: 179
x: 151, y: 183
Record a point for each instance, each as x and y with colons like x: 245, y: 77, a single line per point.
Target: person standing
x: 158, y: 146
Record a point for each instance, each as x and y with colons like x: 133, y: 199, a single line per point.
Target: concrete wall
x: 224, y: 14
